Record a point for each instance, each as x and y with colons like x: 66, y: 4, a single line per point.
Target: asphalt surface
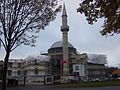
x: 53, y: 87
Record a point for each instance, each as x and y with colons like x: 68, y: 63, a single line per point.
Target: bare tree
x: 20, y: 21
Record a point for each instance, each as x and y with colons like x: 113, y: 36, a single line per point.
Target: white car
x: 118, y: 78
x: 96, y: 80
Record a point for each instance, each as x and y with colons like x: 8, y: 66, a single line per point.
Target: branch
x: 22, y: 32
x: 21, y: 20
x: 14, y: 47
x: 16, y: 16
x: 3, y: 44
x: 3, y: 24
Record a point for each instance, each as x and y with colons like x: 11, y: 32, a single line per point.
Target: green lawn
x: 92, y: 84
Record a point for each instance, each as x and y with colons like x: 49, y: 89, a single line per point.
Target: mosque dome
x: 59, y: 44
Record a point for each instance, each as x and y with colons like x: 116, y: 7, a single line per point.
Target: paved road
x: 51, y: 87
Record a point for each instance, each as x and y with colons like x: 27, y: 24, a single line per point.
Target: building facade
x: 96, y: 72
x: 29, y: 70
x: 79, y: 64
x: 56, y: 54
x: 15, y: 73
x: 36, y: 68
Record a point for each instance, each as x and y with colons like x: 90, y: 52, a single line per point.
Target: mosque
x: 67, y: 61
x: 62, y: 63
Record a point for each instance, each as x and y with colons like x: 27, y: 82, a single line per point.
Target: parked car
x: 96, y: 80
x: 118, y: 78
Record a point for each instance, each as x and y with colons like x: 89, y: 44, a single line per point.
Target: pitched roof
x: 116, y: 71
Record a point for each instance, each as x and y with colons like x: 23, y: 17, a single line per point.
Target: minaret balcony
x: 64, y: 28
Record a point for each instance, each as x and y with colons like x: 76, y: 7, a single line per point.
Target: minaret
x: 65, y: 29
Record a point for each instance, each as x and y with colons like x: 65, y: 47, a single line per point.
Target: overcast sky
x: 84, y: 37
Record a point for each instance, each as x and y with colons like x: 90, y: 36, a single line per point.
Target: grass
x: 91, y: 84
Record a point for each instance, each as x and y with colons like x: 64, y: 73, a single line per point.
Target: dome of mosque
x: 59, y: 44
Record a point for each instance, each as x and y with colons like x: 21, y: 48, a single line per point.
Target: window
x: 19, y: 65
x: 19, y: 72
x: 9, y: 72
x: 25, y: 73
x: 10, y: 65
x: 36, y: 71
x: 36, y: 63
x: 76, y: 67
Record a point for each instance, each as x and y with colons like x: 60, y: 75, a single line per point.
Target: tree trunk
x: 5, y: 70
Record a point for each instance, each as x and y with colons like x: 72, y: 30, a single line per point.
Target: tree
x: 20, y: 21
x: 109, y: 10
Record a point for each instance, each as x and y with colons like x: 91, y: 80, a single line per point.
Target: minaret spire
x: 64, y: 20
x: 64, y: 10
x: 65, y: 29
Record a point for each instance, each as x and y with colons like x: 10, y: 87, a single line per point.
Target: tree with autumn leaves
x: 20, y: 22
x: 109, y: 10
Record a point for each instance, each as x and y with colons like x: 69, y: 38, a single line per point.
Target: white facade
x: 35, y: 68
x: 32, y: 69
x: 14, y: 67
x: 15, y: 71
x: 79, y: 68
